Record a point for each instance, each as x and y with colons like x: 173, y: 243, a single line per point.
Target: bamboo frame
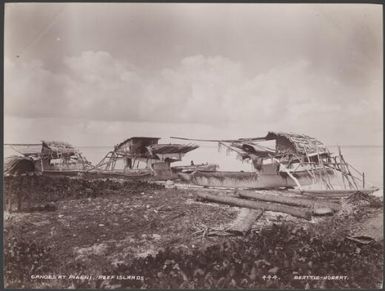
x: 318, y: 171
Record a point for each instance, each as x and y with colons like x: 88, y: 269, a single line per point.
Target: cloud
x: 200, y: 89
x: 95, y: 86
x: 215, y: 90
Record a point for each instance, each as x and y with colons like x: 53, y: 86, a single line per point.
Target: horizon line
x: 330, y: 145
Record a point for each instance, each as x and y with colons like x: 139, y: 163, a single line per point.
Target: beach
x: 93, y: 231
x: 110, y: 233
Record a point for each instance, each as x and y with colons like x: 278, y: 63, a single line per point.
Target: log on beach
x: 320, y: 195
x: 295, y: 201
x: 335, y: 193
x: 294, y: 211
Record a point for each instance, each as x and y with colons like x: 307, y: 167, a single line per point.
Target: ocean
x: 367, y: 159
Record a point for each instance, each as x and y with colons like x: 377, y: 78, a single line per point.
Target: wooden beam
x: 288, y: 173
x: 22, y: 144
x: 294, y: 211
x: 221, y: 140
x: 336, y: 192
x: 295, y: 201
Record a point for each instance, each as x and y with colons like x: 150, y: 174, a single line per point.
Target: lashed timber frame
x: 143, y: 149
x: 295, y: 152
x: 108, y: 163
x: 48, y: 150
x: 125, y: 151
x: 63, y: 151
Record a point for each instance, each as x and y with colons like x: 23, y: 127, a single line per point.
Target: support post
x: 288, y: 172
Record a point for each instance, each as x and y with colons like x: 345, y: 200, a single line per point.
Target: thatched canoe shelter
x: 58, y: 149
x: 294, y: 156
x: 17, y: 165
x: 296, y: 143
x: 53, y: 156
x: 144, y: 153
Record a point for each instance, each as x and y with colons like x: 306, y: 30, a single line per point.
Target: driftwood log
x: 295, y: 201
x: 333, y: 192
x: 294, y: 211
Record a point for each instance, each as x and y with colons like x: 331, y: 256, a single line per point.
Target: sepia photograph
x: 193, y: 146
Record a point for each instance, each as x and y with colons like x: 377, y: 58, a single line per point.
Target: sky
x: 95, y: 74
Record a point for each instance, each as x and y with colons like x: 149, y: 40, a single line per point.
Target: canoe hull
x: 267, y: 180
x: 190, y: 169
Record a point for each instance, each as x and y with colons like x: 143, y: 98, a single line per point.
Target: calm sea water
x: 368, y: 159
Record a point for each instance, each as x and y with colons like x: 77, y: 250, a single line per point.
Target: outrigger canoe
x: 297, y: 160
x: 266, y: 179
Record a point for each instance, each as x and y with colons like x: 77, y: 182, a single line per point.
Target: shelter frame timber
x: 294, y: 153
x: 147, y: 150
x: 67, y: 156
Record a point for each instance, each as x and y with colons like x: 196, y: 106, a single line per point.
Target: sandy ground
x: 119, y: 225
x: 108, y: 230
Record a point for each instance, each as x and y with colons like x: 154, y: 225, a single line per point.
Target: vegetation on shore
x: 144, y: 235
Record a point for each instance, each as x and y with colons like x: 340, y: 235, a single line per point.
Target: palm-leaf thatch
x: 28, y: 150
x: 17, y: 165
x: 297, y: 143
x: 171, y: 148
x: 56, y: 149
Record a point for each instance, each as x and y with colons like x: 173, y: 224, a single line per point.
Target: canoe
x: 243, y: 179
x: 268, y: 178
x: 190, y: 169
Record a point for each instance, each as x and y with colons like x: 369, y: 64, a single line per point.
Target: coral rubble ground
x: 135, y: 234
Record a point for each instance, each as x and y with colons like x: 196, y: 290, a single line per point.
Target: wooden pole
x: 337, y: 192
x: 294, y: 211
x: 346, y: 170
x: 296, y: 201
x: 42, y: 164
x: 289, y: 174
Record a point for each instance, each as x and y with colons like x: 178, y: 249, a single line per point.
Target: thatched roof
x: 57, y: 148
x: 51, y: 149
x: 16, y: 165
x: 300, y: 143
x: 157, y: 149
x: 248, y: 148
x: 148, y: 147
x: 28, y: 150
x: 286, y: 143
x: 137, y: 139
